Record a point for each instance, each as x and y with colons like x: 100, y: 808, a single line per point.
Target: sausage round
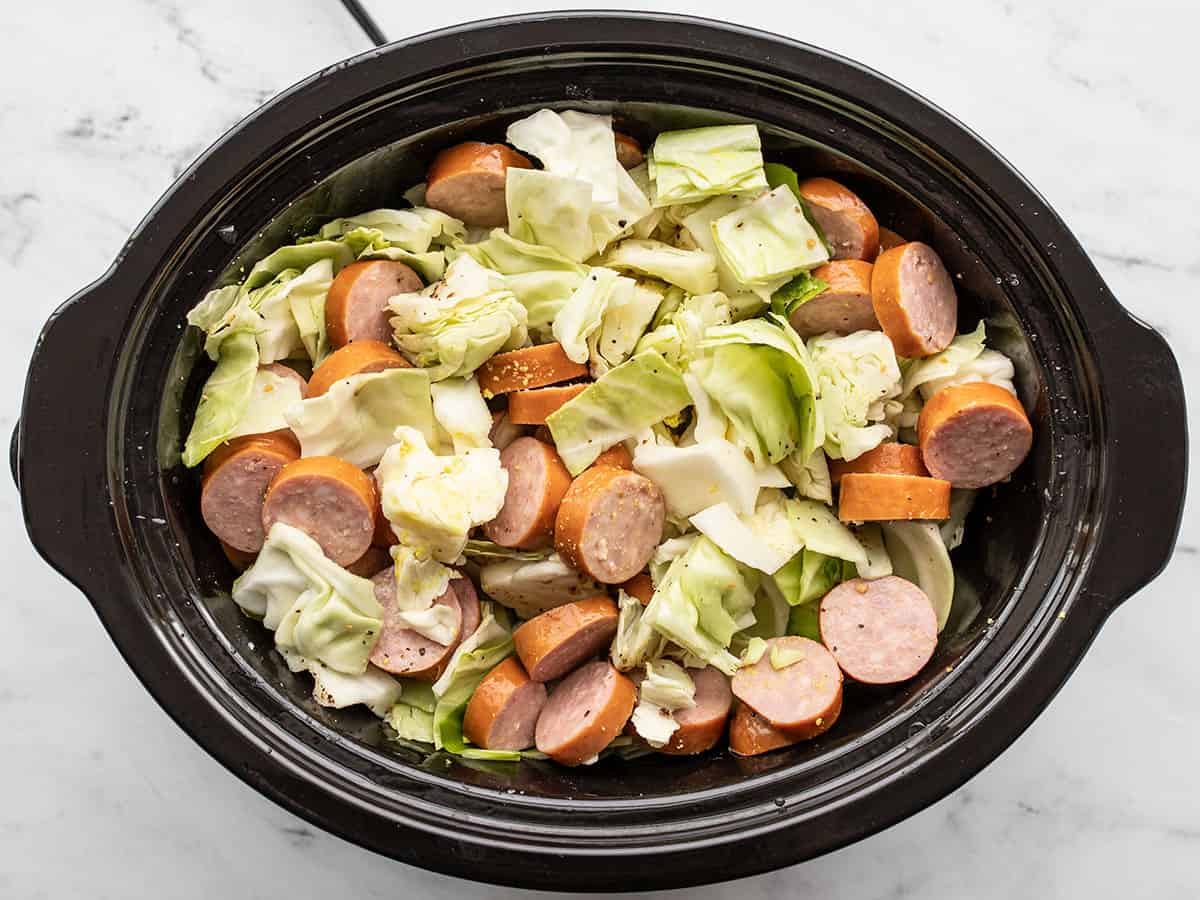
x: 556, y: 641
x: 328, y: 499
x: 701, y: 726
x: 383, y: 536
x: 467, y: 181
x: 641, y: 587
x: 803, y: 698
x: 360, y: 358
x: 584, y: 713
x: 504, y: 432
x: 914, y: 299
x: 403, y: 651
x: 503, y: 712
x: 356, y: 307
x: 537, y: 480
x: 889, y: 239
x: 874, y: 497
x: 629, y: 151
x: 974, y: 434
x: 534, y: 407
x: 468, y: 605
x: 609, y: 523
x: 529, y: 367
x: 847, y: 224
x: 239, y: 560
x: 750, y: 734
x: 236, y: 478
x: 374, y: 559
x: 886, y: 459
x: 844, y: 308
x: 288, y: 372
x: 615, y: 457
x: 880, y: 631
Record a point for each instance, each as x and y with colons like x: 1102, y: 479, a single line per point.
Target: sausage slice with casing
x: 886, y: 459
x: 467, y: 181
x: 503, y: 712
x: 914, y: 299
x: 537, y: 480
x: 556, y: 641
x: 880, y: 631
x: 640, y: 587
x: 529, y: 367
x: 356, y: 307
x: 584, y: 713
x: 889, y: 239
x: 328, y: 499
x: 881, y: 497
x: 629, y: 151
x: 362, y: 357
x: 468, y: 604
x: 750, y: 734
x: 609, y: 523
x: 803, y: 697
x: 403, y: 651
x: 236, y: 478
x: 534, y: 407
x: 701, y: 726
x: 974, y: 434
x: 847, y: 224
x: 844, y: 308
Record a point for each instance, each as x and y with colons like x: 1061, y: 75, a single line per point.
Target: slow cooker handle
x: 58, y: 451
x: 1146, y: 456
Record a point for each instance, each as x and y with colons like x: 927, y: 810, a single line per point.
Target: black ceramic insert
x: 1090, y: 518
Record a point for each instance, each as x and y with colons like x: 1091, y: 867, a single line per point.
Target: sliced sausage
x: 328, y: 499
x: 629, y: 151
x: 529, y: 367
x: 360, y: 358
x: 880, y: 631
x: 503, y: 712
x: 914, y: 299
x: 974, y: 434
x: 533, y: 407
x: 615, y: 457
x: 750, y: 734
x: 356, y: 307
x: 584, y: 713
x: 889, y: 239
x: 468, y: 605
x: 873, y: 497
x: 383, y: 536
x: 803, y: 698
x: 504, y: 432
x: 236, y: 477
x: 846, y: 222
x: 886, y: 459
x: 641, y: 587
x: 844, y: 308
x: 537, y: 480
x: 238, y: 559
x: 374, y: 559
x: 467, y: 181
x: 558, y: 640
x: 609, y: 523
x: 403, y: 651
x: 701, y: 726
x: 288, y: 372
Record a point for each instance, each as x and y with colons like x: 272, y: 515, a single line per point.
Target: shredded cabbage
x: 666, y: 688
x: 696, y: 163
x: 858, y: 373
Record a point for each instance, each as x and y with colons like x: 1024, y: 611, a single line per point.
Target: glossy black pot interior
x: 1048, y: 556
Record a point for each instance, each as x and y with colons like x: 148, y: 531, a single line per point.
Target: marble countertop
x: 103, y: 105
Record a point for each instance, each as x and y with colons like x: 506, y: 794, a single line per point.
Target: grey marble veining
x: 103, y: 105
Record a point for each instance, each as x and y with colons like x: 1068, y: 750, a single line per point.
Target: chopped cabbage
x: 358, y: 416
x: 878, y: 562
x: 433, y: 502
x: 919, y: 555
x: 677, y: 335
x: 697, y: 476
x: 702, y: 600
x: 810, y: 476
x: 464, y: 421
x: 693, y: 270
x: 270, y: 397
x: 636, y: 642
x: 316, y: 608
x: 635, y: 395
x: 572, y: 145
x: 413, y: 230
x: 954, y: 527
x: 796, y: 293
x: 411, y: 723
x: 625, y: 320
x: 452, y: 327
x: 529, y: 587
x: 820, y: 531
x: 583, y: 313
x: 964, y: 361
x: 224, y: 398
x: 374, y: 688
x: 857, y: 374
x: 764, y: 540
x: 697, y: 225
x: 666, y: 688
x: 808, y: 576
x: 696, y: 163
x: 768, y: 241
x: 420, y: 580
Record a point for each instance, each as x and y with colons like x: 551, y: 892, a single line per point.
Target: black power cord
x: 365, y: 22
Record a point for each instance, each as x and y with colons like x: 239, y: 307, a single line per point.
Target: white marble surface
x: 102, y: 104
